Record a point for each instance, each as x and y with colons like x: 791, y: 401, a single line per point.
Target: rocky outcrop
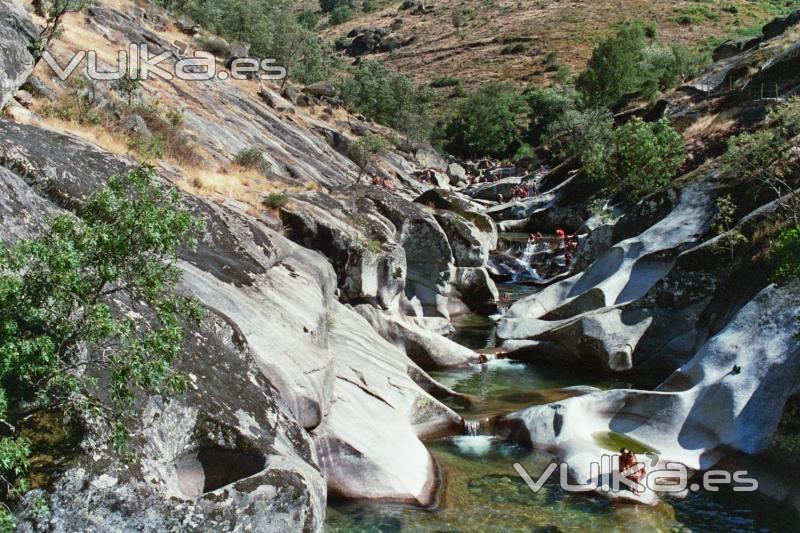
x: 275, y: 338
x: 368, y: 446
x: 728, y: 397
x: 16, y: 63
x: 360, y: 243
x: 620, y: 277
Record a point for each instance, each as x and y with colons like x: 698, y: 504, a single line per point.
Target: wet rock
x: 725, y: 399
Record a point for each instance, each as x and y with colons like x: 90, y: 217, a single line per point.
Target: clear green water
x: 482, y: 493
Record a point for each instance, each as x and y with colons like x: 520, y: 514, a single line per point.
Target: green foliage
x: 276, y: 200
x: 632, y: 61
x: 488, y: 122
x: 61, y: 329
x: 365, y: 150
x: 445, y: 81
x: 613, y: 69
x: 764, y: 154
x: 548, y: 106
x: 273, y: 29
x: 584, y: 134
x: 308, y: 19
x: 251, y: 158
x: 53, y: 13
x: 641, y: 158
x: 391, y: 99
x: 340, y: 15
x: 129, y: 86
x: 786, y: 255
x: 329, y: 5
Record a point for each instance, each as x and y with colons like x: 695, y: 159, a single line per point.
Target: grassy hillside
x: 526, y: 41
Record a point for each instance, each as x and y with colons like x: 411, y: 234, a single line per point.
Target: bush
x: 329, y: 5
x: 548, y: 106
x: 487, y: 122
x: 642, y: 158
x: 613, y: 69
x: 308, y: 19
x: 250, y: 158
x: 445, y: 81
x: 275, y: 200
x: 786, y: 255
x: 57, y: 304
x: 340, y: 15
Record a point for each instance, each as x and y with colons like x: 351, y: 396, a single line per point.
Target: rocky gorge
x: 320, y: 371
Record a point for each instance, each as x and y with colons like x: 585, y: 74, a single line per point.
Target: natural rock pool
x: 482, y: 492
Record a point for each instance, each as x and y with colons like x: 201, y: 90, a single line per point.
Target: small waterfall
x: 472, y: 428
x: 525, y: 262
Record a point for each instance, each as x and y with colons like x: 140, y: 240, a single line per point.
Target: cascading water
x: 472, y: 428
x: 527, y: 271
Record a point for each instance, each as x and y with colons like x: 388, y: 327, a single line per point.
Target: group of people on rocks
x: 520, y: 192
x: 568, y: 243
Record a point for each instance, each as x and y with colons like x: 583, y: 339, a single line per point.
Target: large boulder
x: 476, y: 289
x: 472, y: 235
x: 16, y: 62
x: 622, y: 276
x: 424, y: 347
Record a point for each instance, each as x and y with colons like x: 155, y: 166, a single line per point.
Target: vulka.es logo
x: 669, y: 478
x: 137, y: 63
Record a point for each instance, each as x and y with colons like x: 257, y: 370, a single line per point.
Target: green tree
x: 614, y: 68
x: 642, y: 158
x: 548, y: 106
x: 61, y: 331
x: 390, y: 99
x: 576, y: 132
x: 273, y: 30
x: 365, y: 150
x: 488, y: 122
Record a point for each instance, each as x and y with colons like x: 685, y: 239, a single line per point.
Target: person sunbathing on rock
x: 629, y: 463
